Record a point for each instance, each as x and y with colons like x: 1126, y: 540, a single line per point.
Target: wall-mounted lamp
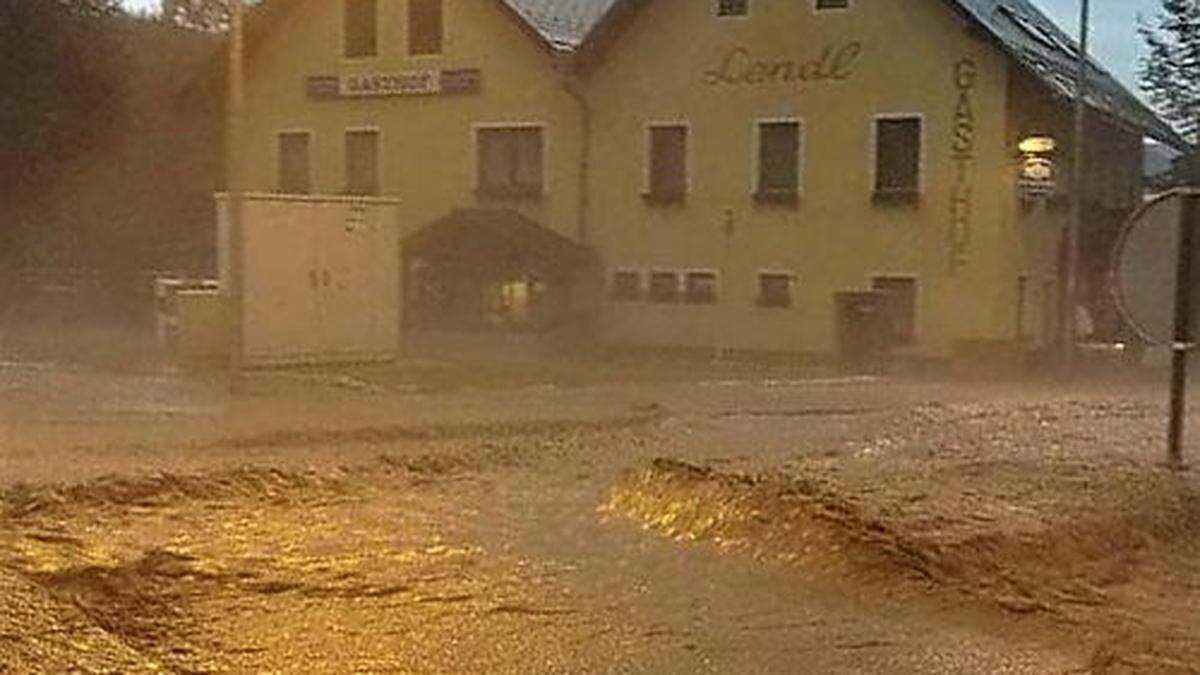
x: 1037, y: 166
x: 1037, y: 145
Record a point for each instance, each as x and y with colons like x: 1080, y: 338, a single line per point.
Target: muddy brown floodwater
x: 354, y: 523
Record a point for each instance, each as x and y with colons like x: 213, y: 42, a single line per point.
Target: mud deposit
x: 715, y: 527
x: 429, y: 563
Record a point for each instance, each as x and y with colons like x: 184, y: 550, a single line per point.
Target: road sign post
x: 1181, y: 345
x: 1155, y: 273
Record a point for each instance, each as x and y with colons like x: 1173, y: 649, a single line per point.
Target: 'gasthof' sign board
x: 407, y: 83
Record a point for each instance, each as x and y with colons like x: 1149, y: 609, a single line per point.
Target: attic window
x: 733, y: 8
x: 425, y: 27
x: 360, y: 29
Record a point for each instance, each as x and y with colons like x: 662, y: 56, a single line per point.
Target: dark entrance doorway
x: 483, y: 270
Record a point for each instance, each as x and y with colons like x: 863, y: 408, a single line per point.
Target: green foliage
x: 58, y: 76
x: 209, y: 15
x: 1170, y: 73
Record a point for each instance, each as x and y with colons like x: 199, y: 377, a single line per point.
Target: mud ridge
x: 161, y: 489
x: 401, y: 433
x: 810, y: 523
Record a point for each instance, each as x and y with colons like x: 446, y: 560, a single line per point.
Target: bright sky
x: 1115, y: 39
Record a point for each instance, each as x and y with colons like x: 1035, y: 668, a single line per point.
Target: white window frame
x: 643, y: 283
x: 682, y: 287
x: 476, y: 127
x: 379, y: 4
x: 874, y: 149
x: 832, y: 10
x: 312, y: 165
x: 648, y: 153
x: 381, y: 174
x: 793, y: 284
x: 716, y: 11
x: 756, y: 148
x: 679, y: 287
x: 917, y: 286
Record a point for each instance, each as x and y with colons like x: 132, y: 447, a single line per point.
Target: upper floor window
x: 362, y: 162
x: 823, y: 5
x: 778, y: 160
x: 733, y: 8
x: 360, y: 25
x: 425, y: 27
x: 295, y: 172
x: 897, y: 157
x: 509, y: 161
x: 667, y: 180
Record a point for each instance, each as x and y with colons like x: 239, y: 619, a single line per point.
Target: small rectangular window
x: 778, y: 160
x: 733, y: 8
x: 362, y: 162
x: 668, y: 163
x: 775, y: 290
x: 898, y: 156
x: 901, y: 306
x: 700, y: 288
x: 425, y: 27
x: 664, y: 287
x: 295, y: 173
x: 360, y: 29
x: 832, y: 4
x: 626, y: 286
x: 509, y: 162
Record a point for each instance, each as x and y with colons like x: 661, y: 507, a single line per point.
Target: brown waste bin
x: 864, y: 330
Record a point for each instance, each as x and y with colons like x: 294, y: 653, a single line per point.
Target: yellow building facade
x: 731, y: 167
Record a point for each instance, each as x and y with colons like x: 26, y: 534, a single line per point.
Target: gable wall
x: 835, y: 239
x: 427, y: 153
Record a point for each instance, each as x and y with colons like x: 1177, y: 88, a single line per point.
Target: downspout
x: 570, y: 85
x: 589, y: 309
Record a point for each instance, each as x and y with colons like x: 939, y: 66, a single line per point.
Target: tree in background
x: 209, y: 15
x: 1170, y: 73
x: 58, y: 76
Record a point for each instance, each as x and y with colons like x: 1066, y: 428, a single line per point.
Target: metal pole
x: 233, y: 179
x: 1075, y: 226
x: 1181, y: 345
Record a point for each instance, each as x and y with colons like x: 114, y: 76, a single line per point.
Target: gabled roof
x: 497, y: 242
x: 1047, y: 52
x: 563, y: 24
x: 1017, y: 26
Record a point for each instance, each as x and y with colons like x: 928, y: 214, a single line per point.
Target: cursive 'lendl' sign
x: 739, y: 66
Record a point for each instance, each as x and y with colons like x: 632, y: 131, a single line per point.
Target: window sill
x: 766, y: 304
x: 523, y: 195
x: 787, y: 198
x: 664, y: 198
x: 910, y: 198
